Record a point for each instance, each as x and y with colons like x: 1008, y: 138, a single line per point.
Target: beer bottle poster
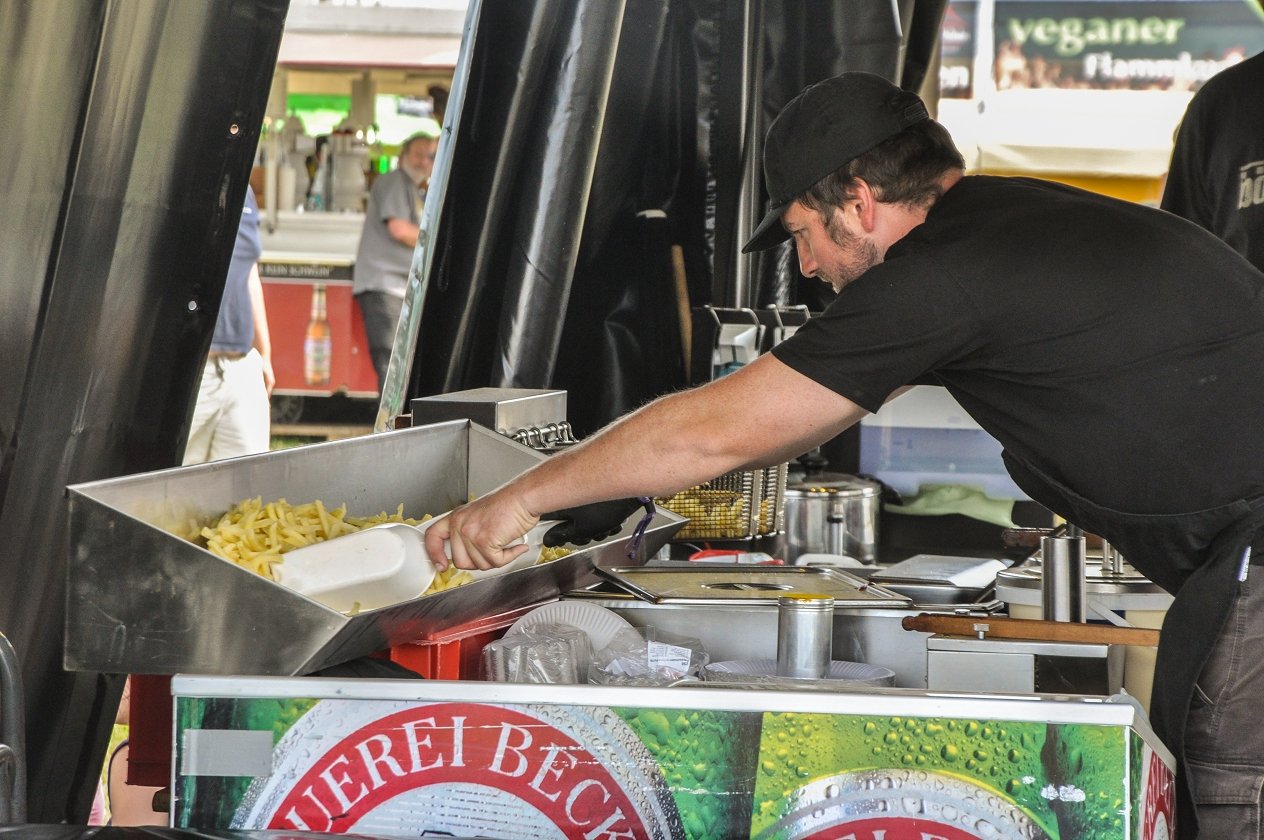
x: 416, y: 769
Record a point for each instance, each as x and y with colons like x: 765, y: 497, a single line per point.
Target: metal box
x: 957, y: 663
x: 507, y: 410
x: 532, y: 416
x: 143, y: 599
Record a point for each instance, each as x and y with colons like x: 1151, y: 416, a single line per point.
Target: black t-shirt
x: 1118, y: 348
x: 1216, y: 178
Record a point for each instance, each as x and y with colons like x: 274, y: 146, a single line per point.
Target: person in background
x: 232, y: 416
x: 127, y: 804
x: 1113, y: 349
x: 391, y: 223
x: 1216, y: 178
x: 317, y: 168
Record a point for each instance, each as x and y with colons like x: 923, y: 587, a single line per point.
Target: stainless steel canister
x: 805, y: 635
x: 834, y: 515
x: 1063, y: 583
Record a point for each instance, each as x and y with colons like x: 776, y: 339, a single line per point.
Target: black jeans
x: 380, y: 311
x: 1224, y: 739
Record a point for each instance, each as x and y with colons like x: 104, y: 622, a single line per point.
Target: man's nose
x: 807, y: 265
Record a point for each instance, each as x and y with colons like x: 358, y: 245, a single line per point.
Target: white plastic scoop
x: 379, y: 566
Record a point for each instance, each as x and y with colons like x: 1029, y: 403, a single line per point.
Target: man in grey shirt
x: 387, y: 242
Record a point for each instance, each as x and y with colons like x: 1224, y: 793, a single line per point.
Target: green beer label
x: 998, y: 759
x: 413, y: 768
x: 1087, y: 780
x: 707, y: 759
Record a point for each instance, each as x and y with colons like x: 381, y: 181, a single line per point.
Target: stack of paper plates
x: 599, y: 623
x: 856, y: 673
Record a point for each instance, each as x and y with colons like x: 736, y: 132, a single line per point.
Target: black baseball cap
x: 825, y: 127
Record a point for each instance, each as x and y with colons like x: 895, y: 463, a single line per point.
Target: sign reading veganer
x: 1127, y: 44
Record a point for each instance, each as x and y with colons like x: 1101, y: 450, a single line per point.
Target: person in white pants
x: 232, y: 416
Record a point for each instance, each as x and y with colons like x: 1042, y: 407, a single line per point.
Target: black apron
x: 1197, y: 557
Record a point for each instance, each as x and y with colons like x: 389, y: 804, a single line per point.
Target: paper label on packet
x: 662, y: 656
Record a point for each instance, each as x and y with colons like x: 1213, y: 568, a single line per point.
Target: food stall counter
x: 422, y: 758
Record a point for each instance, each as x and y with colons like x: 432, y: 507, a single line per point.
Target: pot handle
x: 835, y: 533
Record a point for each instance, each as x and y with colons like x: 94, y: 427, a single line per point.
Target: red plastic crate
x: 149, y: 731
x: 456, y: 653
x: 453, y: 654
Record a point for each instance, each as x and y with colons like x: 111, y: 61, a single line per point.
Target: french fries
x: 718, y: 514
x: 713, y: 514
x: 256, y: 536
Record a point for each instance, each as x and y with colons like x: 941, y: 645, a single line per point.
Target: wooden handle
x: 1026, y: 628
x: 683, y: 312
x: 1024, y: 538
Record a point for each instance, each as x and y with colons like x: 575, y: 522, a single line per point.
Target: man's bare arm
x: 403, y: 231
x: 763, y: 414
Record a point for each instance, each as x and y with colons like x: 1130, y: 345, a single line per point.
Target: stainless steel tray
x: 144, y: 600
x: 942, y: 570
x: 749, y: 585
x: 927, y: 595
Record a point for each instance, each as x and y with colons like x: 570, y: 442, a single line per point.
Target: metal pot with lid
x: 833, y: 513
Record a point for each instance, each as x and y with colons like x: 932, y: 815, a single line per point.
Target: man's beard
x: 859, y: 255
x: 415, y: 174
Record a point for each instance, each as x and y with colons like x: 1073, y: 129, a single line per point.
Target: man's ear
x: 866, y: 204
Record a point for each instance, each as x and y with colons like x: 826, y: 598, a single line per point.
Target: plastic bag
x: 547, y: 653
x: 648, y: 656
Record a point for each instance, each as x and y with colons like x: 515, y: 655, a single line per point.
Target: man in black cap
x: 1114, y: 350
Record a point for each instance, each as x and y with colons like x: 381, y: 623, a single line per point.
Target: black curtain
x: 515, y: 204
x: 554, y: 260
x: 621, y: 343
x: 810, y: 41
x: 129, y: 129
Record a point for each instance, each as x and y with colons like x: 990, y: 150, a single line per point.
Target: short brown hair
x: 904, y: 169
x: 415, y: 138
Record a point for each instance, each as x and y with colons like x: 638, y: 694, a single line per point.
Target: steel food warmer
x: 145, y: 599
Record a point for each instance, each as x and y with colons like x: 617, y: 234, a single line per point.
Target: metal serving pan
x: 143, y: 599
x: 749, y: 585
x: 941, y: 579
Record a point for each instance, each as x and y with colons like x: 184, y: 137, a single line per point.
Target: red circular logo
x: 1156, y: 816
x: 468, y: 745
x: 892, y: 828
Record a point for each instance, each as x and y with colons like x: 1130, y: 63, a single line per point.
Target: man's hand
x: 479, y: 535
x: 269, y: 376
